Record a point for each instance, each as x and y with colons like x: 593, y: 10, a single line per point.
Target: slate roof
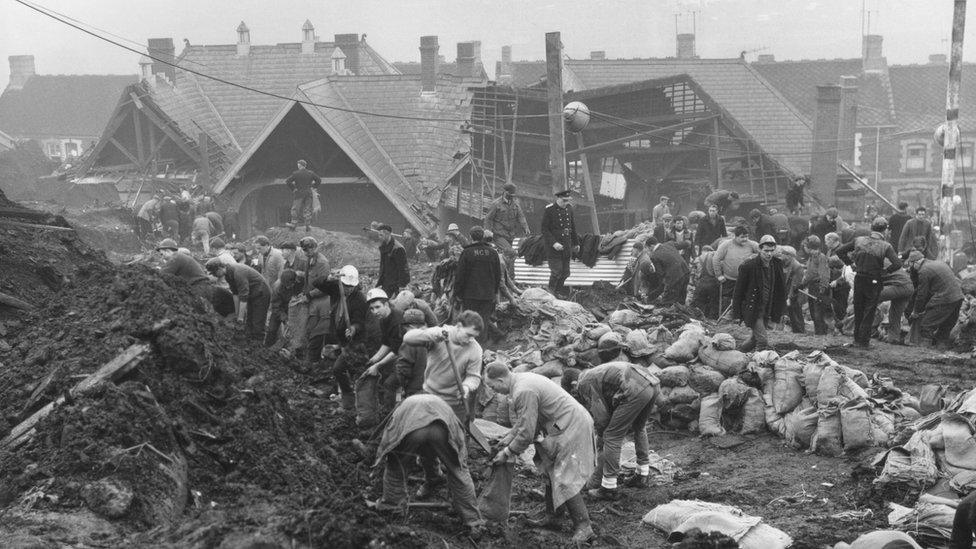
x: 76, y: 106
x: 779, y: 127
x: 797, y: 80
x: 920, y: 93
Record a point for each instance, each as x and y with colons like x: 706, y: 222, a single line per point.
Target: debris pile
x: 202, y: 420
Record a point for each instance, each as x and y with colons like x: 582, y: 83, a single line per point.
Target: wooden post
x: 554, y: 94
x: 713, y: 160
x: 588, y: 185
x: 205, y: 159
x: 952, y: 122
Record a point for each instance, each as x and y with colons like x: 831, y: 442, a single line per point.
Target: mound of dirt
x: 340, y: 248
x: 207, y: 421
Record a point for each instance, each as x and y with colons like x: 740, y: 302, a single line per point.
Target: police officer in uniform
x: 867, y: 254
x: 559, y: 233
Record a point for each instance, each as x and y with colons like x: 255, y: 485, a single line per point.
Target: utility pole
x: 951, y: 140
x: 554, y: 94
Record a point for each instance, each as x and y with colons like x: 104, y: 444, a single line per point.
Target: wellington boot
x: 582, y: 528
x: 550, y: 522
x: 348, y: 402
x: 583, y: 533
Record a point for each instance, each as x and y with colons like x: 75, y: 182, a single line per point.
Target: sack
x: 686, y: 347
x: 594, y: 331
x: 703, y: 379
x: 536, y: 297
x: 857, y: 376
x: 674, y: 376
x: 960, y: 445
x: 850, y: 390
x: 623, y: 317
x: 753, y: 413
x: 367, y: 401
x: 787, y: 385
x: 680, y: 395
x: 856, y: 427
x: 660, y: 336
x: 800, y: 425
x: 710, y: 416
x: 733, y: 393
x: 495, y: 502
x: 723, y: 342
x: 828, y: 440
x: 912, y: 463
x: 728, y: 362
x: 811, y: 378
x: 765, y: 358
x: 829, y: 387
x: 773, y: 420
x: 637, y: 344
x: 932, y: 398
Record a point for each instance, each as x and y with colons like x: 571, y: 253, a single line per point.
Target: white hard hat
x: 349, y: 276
x: 453, y: 227
x: 374, y: 294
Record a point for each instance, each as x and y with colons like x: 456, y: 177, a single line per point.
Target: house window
x: 71, y: 149
x: 915, y: 157
x: 53, y: 149
x: 964, y: 155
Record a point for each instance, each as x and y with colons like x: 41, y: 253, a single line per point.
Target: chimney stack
x: 469, y: 59
x: 350, y: 46
x: 937, y: 59
x: 145, y: 71
x: 872, y: 59
x: 766, y: 58
x: 21, y: 69
x: 308, y: 38
x: 428, y: 64
x: 686, y: 46
x: 504, y: 73
x: 848, y: 119
x: 163, y: 50
x: 826, y: 128
x: 598, y: 55
x: 243, y: 40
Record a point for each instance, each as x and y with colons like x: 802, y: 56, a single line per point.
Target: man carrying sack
x: 566, y: 452
x: 619, y: 396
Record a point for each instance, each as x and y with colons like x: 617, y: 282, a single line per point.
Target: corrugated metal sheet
x: 605, y: 270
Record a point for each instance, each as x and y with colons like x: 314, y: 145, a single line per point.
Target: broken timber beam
x: 13, y: 302
x: 112, y: 370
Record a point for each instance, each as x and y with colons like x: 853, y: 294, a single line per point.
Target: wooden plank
x: 33, y: 225
x: 713, y: 161
x: 114, y: 369
x: 125, y: 151
x: 588, y: 186
x: 140, y: 146
x: 554, y: 94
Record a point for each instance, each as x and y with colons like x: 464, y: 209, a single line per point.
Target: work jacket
x: 748, y: 299
x: 479, y: 273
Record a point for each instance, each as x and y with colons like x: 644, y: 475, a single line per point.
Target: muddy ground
x: 271, y: 461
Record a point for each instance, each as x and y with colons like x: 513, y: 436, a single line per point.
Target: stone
x: 109, y: 498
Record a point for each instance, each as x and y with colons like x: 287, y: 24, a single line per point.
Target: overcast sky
x: 788, y: 29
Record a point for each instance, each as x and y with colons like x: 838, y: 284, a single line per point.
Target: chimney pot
x: 686, y: 46
x: 243, y: 40
x: 468, y: 58
x: 428, y: 63
x: 21, y: 69
x: 872, y: 57
x: 308, y: 38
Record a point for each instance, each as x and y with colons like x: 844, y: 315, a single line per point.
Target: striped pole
x: 952, y: 123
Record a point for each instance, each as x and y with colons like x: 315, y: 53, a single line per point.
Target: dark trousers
x: 257, y: 313
x: 348, y: 365
x: 937, y: 322
x: 820, y: 309
x: 964, y: 523
x: 430, y: 442
x: 675, y: 291
x: 628, y: 418
x: 794, y: 312
x: 838, y: 298
x: 558, y: 269
x: 301, y: 209
x: 706, y: 296
x: 144, y: 227
x: 274, y: 327
x: 727, y: 289
x: 867, y: 290
x: 485, y: 308
x: 504, y: 245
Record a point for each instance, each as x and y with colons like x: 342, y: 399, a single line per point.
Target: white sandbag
x: 912, y: 463
x: 681, y: 395
x: 660, y: 336
x: 960, y: 445
x: 623, y: 317
x: 677, y: 517
x: 773, y: 420
x: 830, y: 383
x: 753, y: 413
x: 685, y: 349
x: 693, y: 327
x: 932, y: 398
x: 787, y: 385
x: 811, y: 377
x: 729, y: 362
x: 765, y: 358
x: 703, y: 379
x: 594, y: 331
x: 733, y: 393
x: 710, y: 416
x: 638, y: 344
x: 850, y: 390
x: 855, y: 375
x: 828, y: 440
x: 800, y: 425
x: 723, y: 342
x: 855, y: 419
x: 764, y: 536
x: 882, y: 427
x: 674, y: 376
x: 537, y: 296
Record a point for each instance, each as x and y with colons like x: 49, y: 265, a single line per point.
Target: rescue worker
x: 816, y: 282
x: 169, y: 216
x: 729, y: 255
x: 938, y: 298
x: 760, y: 294
x: 724, y: 199
x: 478, y: 277
x: 794, y: 195
x: 298, y: 304
x: 662, y: 209
x: 216, y: 222
x: 679, y: 236
x: 792, y: 279
x: 898, y: 290
x: 829, y: 222
x: 559, y: 233
x: 348, y: 314
x: 710, y: 229
x: 454, y: 358
x: 706, y: 285
x: 185, y: 267
x: 406, y: 300
x: 201, y: 232
x: 282, y: 291
x: 220, y: 251
x: 866, y: 254
x: 381, y: 363
x: 619, y: 396
x: 394, y: 273
x: 317, y: 304
x: 411, y: 361
x: 270, y: 261
x: 762, y: 224
x: 505, y: 219
x: 918, y: 227
x: 147, y: 216
x: 423, y: 425
x: 302, y: 182
x: 567, y: 453
x: 672, y: 270
x: 781, y: 224
x: 252, y: 296
x: 896, y: 223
